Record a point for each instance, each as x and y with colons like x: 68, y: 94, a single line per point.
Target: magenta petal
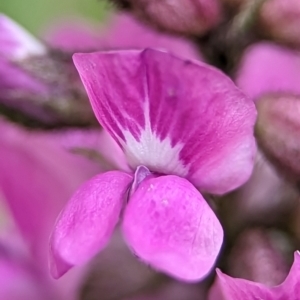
x: 228, y: 288
x: 169, y: 225
x: 290, y: 288
x: 16, y: 42
x: 20, y: 277
x: 85, y: 225
x: 173, y: 116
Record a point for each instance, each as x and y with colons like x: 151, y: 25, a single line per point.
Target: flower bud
x: 280, y: 20
x: 16, y: 42
x: 194, y: 17
x: 17, y: 45
x: 260, y: 255
x: 38, y: 86
x: 278, y: 131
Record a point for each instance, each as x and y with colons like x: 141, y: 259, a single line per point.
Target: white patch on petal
x: 13, y: 33
x: 157, y: 155
x: 150, y: 151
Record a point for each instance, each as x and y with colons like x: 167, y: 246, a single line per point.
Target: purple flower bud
x: 16, y: 42
x: 17, y: 45
x: 187, y: 17
x: 38, y: 86
x: 280, y: 20
x: 277, y: 131
x: 257, y: 256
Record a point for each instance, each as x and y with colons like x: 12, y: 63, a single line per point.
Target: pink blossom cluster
x: 187, y: 188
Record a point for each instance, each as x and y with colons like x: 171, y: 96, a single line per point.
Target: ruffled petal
x: 173, y: 116
x: 169, y: 225
x: 228, y: 288
x: 290, y: 288
x: 16, y: 43
x: 85, y: 225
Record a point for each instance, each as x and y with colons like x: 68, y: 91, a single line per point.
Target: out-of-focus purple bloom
x: 277, y: 131
x: 187, y: 17
x: 179, y: 123
x: 17, y: 83
x: 20, y: 278
x: 37, y: 176
x: 120, y: 32
x: 269, y: 68
x: 16, y: 45
x: 16, y: 42
x: 228, y: 288
x: 260, y: 255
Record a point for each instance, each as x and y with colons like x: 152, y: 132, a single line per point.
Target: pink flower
x: 180, y: 124
x: 37, y: 86
x: 228, y: 288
